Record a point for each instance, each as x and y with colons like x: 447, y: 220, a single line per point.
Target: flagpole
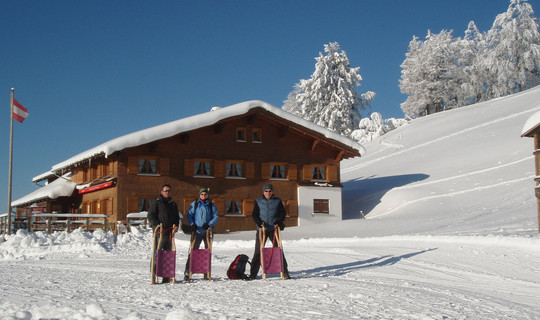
x: 10, y: 161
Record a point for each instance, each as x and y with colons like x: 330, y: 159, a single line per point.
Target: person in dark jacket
x: 201, y: 216
x: 164, y: 210
x: 269, y: 210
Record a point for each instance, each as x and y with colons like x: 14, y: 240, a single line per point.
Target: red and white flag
x: 19, y: 112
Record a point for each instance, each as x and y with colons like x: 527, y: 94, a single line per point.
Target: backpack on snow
x: 237, y: 268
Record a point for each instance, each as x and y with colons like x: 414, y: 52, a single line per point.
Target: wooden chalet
x: 531, y: 129
x: 233, y: 151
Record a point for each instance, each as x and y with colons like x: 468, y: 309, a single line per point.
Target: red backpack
x: 237, y: 268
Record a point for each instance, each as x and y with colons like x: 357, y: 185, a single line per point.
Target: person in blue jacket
x: 269, y: 210
x: 201, y: 216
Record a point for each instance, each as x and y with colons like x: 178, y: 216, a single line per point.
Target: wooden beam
x: 340, y: 154
x: 315, y: 142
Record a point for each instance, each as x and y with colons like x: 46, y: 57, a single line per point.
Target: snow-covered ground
x: 451, y: 233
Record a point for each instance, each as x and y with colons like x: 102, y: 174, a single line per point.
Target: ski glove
x: 193, y: 227
x: 205, y: 226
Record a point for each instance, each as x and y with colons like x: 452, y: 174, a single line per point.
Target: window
x: 321, y: 206
x: 147, y: 166
x: 277, y: 171
x: 233, y: 169
x: 145, y: 204
x: 256, y: 136
x: 318, y: 173
x: 233, y: 207
x: 241, y: 134
x: 202, y: 168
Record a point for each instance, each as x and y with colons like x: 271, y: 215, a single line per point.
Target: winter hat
x: 268, y: 186
x: 203, y: 190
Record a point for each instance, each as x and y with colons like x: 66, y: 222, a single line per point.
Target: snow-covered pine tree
x: 472, y: 51
x: 411, y: 75
x: 513, y: 57
x: 428, y: 74
x: 329, y: 98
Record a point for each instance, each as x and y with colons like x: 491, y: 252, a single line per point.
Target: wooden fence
x: 67, y: 221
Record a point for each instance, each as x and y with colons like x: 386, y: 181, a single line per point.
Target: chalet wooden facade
x: 531, y: 129
x: 233, y: 151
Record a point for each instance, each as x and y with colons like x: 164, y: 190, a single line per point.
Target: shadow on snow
x: 364, y: 194
x: 342, y: 269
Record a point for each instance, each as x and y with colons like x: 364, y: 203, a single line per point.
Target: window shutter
x: 292, y: 172
x: 250, y: 170
x: 109, y: 206
x: 292, y: 208
x: 220, y: 205
x: 133, y: 204
x: 188, y: 167
x: 133, y: 165
x: 219, y: 169
x: 85, y: 207
x: 306, y: 173
x: 332, y: 173
x: 187, y: 203
x: 248, y: 205
x: 265, y: 171
x: 164, y: 166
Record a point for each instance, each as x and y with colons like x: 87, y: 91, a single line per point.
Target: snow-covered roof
x: 194, y: 122
x: 43, y: 176
x: 61, y: 187
x: 531, y: 124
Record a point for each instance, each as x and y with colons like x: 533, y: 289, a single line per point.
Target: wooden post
x: 537, y: 172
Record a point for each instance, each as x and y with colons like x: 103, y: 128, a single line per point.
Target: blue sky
x: 90, y: 71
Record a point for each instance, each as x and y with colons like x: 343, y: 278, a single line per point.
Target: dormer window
x: 256, y: 135
x: 241, y: 134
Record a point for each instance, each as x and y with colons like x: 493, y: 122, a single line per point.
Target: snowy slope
x: 451, y: 233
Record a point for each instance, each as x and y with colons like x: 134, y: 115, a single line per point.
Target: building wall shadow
x: 365, y: 193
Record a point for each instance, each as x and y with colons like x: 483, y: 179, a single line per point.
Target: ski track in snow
x: 446, y: 195
x: 363, y: 164
x: 382, y: 278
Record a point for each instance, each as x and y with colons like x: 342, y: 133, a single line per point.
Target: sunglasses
x: 166, y: 191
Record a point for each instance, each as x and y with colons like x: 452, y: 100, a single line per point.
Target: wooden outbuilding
x: 531, y: 129
x: 233, y: 151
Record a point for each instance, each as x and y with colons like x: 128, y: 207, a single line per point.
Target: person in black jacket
x: 164, y: 210
x: 269, y: 210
